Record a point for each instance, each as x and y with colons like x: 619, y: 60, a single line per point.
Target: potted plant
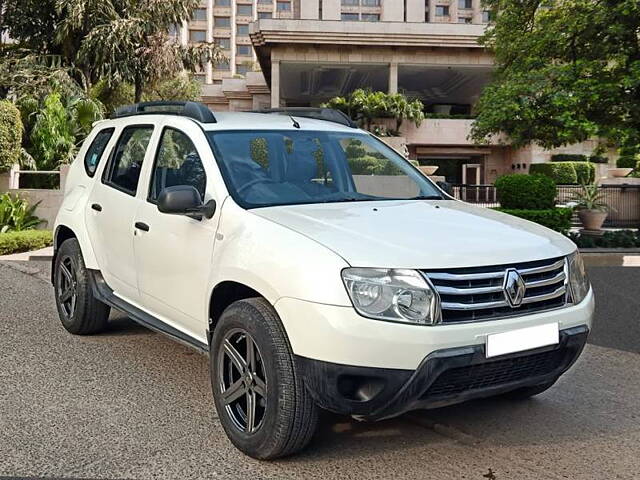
x: 592, y: 211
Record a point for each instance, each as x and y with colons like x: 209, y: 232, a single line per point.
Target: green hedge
x: 24, y: 241
x: 568, y: 157
x: 615, y: 239
x: 566, y: 173
x: 10, y: 135
x: 534, y: 192
x: 598, y: 159
x: 558, y: 219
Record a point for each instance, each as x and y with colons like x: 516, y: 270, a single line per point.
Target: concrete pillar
x: 331, y: 9
x: 184, y: 33
x: 275, y: 84
x: 209, y: 66
x: 393, y: 77
x: 310, y: 9
x: 477, y: 12
x: 64, y: 172
x: 432, y: 11
x: 416, y: 11
x: 453, y: 11
x: 392, y: 11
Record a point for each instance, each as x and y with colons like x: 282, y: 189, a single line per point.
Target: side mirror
x: 185, y: 200
x: 446, y: 186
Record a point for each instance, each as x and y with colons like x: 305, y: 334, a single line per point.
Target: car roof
x: 266, y: 121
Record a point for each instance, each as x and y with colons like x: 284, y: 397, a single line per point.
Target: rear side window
x: 177, y: 163
x: 95, y: 151
x: 123, y: 172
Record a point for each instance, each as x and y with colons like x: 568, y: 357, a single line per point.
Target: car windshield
x: 283, y: 167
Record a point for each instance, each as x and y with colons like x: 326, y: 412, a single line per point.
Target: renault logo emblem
x: 514, y: 287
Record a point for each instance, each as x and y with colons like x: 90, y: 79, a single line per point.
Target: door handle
x: 142, y: 226
x: 97, y: 207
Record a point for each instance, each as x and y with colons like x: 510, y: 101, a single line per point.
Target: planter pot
x: 592, y: 219
x: 619, y: 172
x: 428, y: 170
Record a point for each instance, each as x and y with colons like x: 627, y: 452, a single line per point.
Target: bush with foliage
x: 25, y: 241
x: 365, y: 105
x: 10, y: 135
x: 558, y: 219
x: 585, y: 172
x: 530, y: 192
x: 614, y: 239
x: 598, y: 159
x: 563, y: 173
x: 16, y: 214
x: 628, y: 157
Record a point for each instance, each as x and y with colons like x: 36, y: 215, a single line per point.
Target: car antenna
x: 295, y: 123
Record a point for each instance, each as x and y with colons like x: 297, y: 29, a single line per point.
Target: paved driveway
x: 131, y: 404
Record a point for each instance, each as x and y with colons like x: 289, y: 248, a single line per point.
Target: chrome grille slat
x: 477, y: 293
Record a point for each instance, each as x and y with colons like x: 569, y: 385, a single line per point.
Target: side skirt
x: 105, y: 294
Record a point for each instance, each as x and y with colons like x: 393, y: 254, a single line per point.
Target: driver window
x: 177, y: 163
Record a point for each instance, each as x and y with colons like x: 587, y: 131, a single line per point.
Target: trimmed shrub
x: 25, y: 241
x: 626, y: 161
x: 598, y: 159
x: 558, y: 218
x: 563, y: 173
x: 568, y: 157
x: 585, y: 172
x: 617, y: 239
x: 531, y: 192
x: 10, y: 135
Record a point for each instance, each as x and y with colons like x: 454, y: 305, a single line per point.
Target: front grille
x: 474, y: 294
x: 491, y: 374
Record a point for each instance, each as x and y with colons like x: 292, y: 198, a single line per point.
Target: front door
x: 174, y: 255
x: 112, y: 208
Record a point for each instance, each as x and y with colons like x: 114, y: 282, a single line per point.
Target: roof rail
x: 327, y: 114
x: 195, y: 110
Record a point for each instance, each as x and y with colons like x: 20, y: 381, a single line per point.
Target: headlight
x: 578, y: 281
x: 390, y: 294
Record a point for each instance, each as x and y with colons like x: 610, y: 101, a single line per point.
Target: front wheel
x: 261, y: 401
x: 79, y: 311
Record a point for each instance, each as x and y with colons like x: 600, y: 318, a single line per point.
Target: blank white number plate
x: 522, y: 339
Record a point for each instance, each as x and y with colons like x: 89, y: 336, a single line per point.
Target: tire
x: 285, y: 416
x: 79, y: 311
x: 527, y: 392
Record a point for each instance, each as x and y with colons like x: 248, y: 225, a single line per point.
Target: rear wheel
x: 261, y: 401
x: 79, y: 311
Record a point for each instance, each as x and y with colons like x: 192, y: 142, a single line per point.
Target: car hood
x: 423, y: 234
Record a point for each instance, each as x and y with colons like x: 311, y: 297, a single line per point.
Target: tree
x: 129, y: 40
x: 567, y: 70
x: 10, y: 135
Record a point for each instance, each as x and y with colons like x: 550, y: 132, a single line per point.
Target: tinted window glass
x: 125, y: 166
x: 289, y: 167
x: 177, y: 163
x: 95, y: 151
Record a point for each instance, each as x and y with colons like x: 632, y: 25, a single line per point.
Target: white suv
x: 314, y: 264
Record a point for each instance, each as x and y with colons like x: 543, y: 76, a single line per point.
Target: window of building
x: 486, y: 16
x: 197, y: 36
x: 244, y: 10
x: 370, y: 17
x: 265, y: 15
x: 465, y: 4
x: 351, y: 3
x: 223, y: 3
x: 242, y: 29
x: 265, y: 2
x: 350, y: 17
x: 199, y: 15
x: 370, y: 3
x: 243, y: 50
x: 223, y: 65
x: 96, y: 149
x: 222, y: 22
x: 174, y: 30
x: 223, y: 43
x: 123, y: 171
x: 283, y: 6
x: 464, y: 20
x: 442, y: 11
x: 242, y: 69
x: 200, y: 78
x: 177, y: 163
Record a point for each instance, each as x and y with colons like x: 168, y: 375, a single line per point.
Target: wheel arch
x: 224, y: 294
x: 64, y: 232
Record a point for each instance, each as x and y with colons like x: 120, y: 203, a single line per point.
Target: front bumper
x: 444, y: 377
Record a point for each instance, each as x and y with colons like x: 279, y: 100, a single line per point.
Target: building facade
x: 304, y: 52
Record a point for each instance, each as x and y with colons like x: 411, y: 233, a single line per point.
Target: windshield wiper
x: 427, y: 197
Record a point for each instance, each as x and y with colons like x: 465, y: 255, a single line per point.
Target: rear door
x: 112, y: 206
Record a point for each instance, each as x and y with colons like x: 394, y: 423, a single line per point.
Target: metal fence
x: 623, y: 201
